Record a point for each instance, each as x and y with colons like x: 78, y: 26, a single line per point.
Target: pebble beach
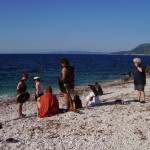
x: 110, y: 126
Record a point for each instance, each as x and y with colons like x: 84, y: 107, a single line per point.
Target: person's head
x: 64, y: 62
x: 96, y: 83
x: 37, y: 79
x: 93, y: 89
x: 137, y: 61
x: 49, y: 89
x: 24, y: 76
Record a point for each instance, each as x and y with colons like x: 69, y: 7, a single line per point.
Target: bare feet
x: 22, y: 115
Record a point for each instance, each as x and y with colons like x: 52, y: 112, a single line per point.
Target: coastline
x: 11, y: 96
x: 108, y: 126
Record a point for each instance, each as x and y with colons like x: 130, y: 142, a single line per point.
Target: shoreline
x: 9, y: 97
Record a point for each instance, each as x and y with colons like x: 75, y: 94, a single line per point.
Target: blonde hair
x: 137, y: 60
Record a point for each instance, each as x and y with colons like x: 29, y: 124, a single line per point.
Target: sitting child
x: 93, y: 98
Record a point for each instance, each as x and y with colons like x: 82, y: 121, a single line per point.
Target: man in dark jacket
x: 139, y: 79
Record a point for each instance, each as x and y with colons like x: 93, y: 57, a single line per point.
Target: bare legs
x: 69, y: 103
x: 38, y: 106
x: 67, y: 100
x: 141, y: 94
x: 20, y: 110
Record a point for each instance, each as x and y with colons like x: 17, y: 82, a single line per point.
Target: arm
x: 64, y: 73
x: 140, y: 69
x: 89, y: 99
x: 37, y: 89
x: 19, y: 85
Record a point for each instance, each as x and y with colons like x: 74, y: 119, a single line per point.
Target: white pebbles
x: 107, y: 127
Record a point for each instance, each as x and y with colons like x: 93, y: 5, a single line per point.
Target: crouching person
x: 93, y: 98
x: 47, y: 104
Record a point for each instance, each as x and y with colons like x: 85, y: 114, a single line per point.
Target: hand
x: 17, y: 95
x: 37, y: 95
x: 136, y: 64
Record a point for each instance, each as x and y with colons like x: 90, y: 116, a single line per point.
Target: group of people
x: 48, y: 104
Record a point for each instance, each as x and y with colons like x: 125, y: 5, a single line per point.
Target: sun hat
x: 35, y: 78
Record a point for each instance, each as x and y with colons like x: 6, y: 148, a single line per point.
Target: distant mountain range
x: 77, y: 52
x: 143, y: 49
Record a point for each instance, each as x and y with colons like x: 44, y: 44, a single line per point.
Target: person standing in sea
x: 21, y: 88
x: 67, y: 77
x: 139, y: 79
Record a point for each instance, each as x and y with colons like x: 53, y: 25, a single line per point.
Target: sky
x: 42, y: 26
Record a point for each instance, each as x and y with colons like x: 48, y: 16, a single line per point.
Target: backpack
x: 69, y: 81
x: 77, y: 101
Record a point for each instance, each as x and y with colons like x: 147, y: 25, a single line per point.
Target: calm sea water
x: 88, y: 69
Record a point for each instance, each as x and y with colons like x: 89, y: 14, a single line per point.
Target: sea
x: 88, y: 69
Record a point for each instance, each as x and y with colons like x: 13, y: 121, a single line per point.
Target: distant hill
x: 77, y: 52
x: 143, y: 49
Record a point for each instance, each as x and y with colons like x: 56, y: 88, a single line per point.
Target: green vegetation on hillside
x: 143, y: 49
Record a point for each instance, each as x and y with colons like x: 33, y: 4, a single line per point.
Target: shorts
x: 22, y: 97
x: 36, y: 97
x: 139, y: 87
x: 69, y: 91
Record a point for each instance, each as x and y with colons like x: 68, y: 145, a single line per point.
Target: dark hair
x: 93, y: 88
x: 25, y: 75
x: 49, y: 89
x: 38, y: 79
x: 64, y: 61
x: 96, y: 83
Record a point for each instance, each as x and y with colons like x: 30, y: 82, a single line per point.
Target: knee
x: 20, y: 105
x: 66, y: 95
x: 142, y: 92
x: 139, y: 92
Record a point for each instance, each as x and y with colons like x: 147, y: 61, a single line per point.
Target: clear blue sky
x: 92, y: 25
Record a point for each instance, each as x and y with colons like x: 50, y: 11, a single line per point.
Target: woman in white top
x: 38, y: 88
x: 93, y: 98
